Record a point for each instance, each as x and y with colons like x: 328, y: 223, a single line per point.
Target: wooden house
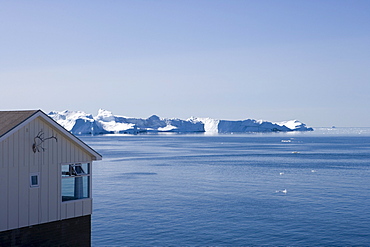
x: 45, y: 181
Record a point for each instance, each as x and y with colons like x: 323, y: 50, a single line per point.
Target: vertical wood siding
x: 3, y: 185
x: 22, y: 205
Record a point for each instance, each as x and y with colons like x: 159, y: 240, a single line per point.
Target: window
x: 34, y: 180
x: 75, y: 181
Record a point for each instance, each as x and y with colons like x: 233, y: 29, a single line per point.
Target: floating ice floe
x: 282, y: 191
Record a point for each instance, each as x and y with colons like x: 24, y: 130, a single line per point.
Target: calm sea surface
x: 296, y: 189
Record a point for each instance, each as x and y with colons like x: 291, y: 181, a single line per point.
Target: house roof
x: 12, y: 120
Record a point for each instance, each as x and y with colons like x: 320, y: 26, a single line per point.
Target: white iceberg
x: 81, y: 123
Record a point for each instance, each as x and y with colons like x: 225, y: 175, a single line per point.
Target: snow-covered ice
x: 81, y: 123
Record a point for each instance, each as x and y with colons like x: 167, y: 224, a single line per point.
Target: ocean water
x: 279, y: 189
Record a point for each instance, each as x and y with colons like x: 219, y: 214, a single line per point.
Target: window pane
x: 86, y: 187
x: 79, y: 170
x: 66, y: 170
x: 74, y: 188
x: 86, y: 167
x: 68, y: 189
x: 75, y: 169
x: 34, y: 181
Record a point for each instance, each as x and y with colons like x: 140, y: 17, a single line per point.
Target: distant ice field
x: 296, y: 189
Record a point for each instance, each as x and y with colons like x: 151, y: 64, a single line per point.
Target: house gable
x: 11, y: 121
x: 35, y: 145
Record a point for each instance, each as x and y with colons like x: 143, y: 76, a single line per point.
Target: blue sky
x: 272, y: 60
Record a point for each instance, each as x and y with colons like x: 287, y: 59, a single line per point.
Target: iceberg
x: 81, y: 123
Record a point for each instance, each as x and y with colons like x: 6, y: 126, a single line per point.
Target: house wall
x: 21, y: 205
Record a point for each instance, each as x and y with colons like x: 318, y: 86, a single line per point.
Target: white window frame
x: 76, y: 173
x: 37, y: 175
